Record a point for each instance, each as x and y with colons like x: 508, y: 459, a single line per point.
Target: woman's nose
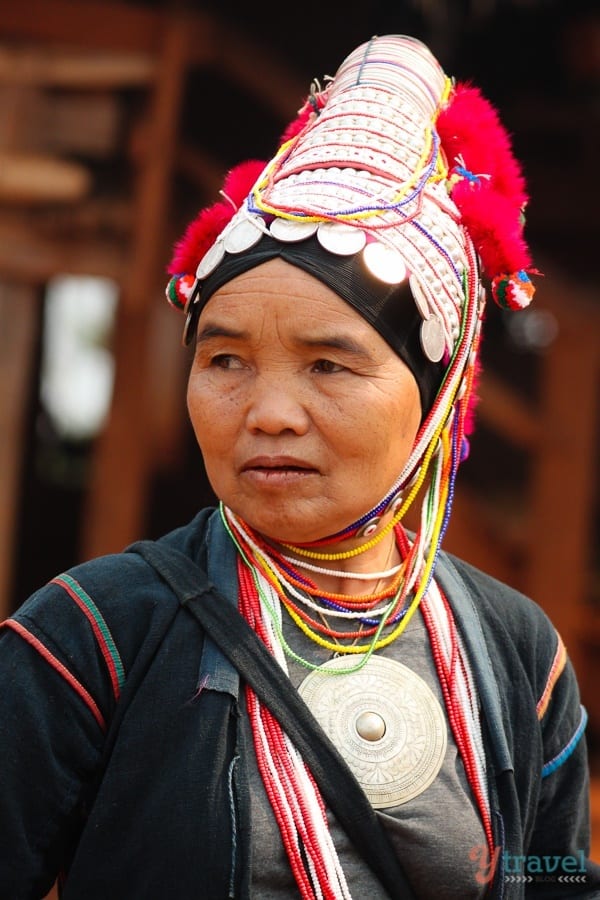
x: 276, y: 406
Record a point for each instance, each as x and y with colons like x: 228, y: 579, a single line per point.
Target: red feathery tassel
x: 488, y: 188
x: 201, y: 234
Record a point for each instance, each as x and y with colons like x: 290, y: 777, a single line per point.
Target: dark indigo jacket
x: 105, y: 657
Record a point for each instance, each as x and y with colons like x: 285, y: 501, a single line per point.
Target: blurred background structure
x: 118, y: 120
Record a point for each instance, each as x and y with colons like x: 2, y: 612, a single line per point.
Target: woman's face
x: 304, y: 415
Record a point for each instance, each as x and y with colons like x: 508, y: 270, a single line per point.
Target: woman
x: 326, y: 705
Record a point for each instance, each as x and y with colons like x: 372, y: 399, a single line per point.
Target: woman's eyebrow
x: 325, y: 341
x: 344, y: 343
x: 212, y: 331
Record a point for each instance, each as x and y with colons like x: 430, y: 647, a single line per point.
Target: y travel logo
x: 526, y: 869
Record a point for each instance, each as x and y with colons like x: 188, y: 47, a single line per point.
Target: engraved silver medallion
x: 385, y: 721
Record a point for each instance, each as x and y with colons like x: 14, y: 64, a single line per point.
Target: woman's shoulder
x: 494, y: 599
x: 120, y: 580
x: 516, y: 630
x: 108, y: 605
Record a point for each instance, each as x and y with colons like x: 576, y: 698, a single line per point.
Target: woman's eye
x: 225, y: 361
x: 327, y: 366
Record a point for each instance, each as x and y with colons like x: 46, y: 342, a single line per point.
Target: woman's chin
x: 281, y: 528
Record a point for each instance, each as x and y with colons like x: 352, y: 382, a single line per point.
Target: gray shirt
x: 434, y: 855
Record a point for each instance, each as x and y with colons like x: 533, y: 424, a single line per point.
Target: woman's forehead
x: 284, y: 289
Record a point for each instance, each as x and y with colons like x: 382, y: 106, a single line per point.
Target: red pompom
x: 198, y: 237
x: 487, y: 183
x: 512, y: 290
x: 179, y: 290
x: 494, y: 224
x: 240, y: 180
x: 203, y: 231
x: 470, y: 130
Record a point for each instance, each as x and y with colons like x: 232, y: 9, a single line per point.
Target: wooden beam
x: 201, y: 169
x: 217, y: 44
x: 257, y: 71
x: 167, y: 385
x: 30, y: 178
x: 478, y: 534
x: 33, y: 257
x: 506, y: 413
x: 57, y: 67
x: 87, y: 23
x: 116, y: 27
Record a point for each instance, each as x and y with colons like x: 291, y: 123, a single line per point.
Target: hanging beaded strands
x: 412, y: 177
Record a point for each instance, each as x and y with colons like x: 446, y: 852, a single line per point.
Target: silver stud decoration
x: 370, y: 726
x: 395, y: 503
x: 419, y: 297
x: 369, y: 527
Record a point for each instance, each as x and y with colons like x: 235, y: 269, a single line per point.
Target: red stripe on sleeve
x: 58, y: 667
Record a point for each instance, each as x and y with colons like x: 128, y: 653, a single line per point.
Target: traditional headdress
x: 393, y: 186
x: 396, y: 177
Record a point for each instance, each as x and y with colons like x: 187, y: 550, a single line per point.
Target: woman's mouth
x: 277, y: 470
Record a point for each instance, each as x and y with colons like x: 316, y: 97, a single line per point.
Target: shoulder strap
x: 238, y: 642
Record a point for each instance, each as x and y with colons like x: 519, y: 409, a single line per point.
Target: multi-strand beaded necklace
x: 270, y: 582
x: 276, y: 580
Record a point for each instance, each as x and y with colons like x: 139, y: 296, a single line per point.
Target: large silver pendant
x: 385, y: 721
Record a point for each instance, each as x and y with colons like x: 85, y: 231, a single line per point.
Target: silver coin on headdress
x: 385, y: 263
x: 385, y: 721
x: 340, y: 238
x: 419, y: 297
x: 211, y: 259
x: 290, y: 230
x: 433, y: 339
x: 243, y: 233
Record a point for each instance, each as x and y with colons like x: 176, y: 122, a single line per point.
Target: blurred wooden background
x: 118, y: 121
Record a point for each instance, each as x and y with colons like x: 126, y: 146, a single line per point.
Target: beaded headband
x: 394, y: 162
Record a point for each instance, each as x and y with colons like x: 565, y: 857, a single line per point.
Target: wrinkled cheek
x: 200, y: 420
x: 215, y: 424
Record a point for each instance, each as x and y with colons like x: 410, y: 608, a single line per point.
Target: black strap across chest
x: 243, y: 648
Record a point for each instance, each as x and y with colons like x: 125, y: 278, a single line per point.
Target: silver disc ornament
x: 386, y: 723
x: 433, y: 341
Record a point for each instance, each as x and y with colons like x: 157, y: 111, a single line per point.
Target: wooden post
x: 18, y: 329
x: 564, y: 476
x: 123, y: 460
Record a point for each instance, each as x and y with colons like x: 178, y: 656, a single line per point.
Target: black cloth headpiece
x: 390, y: 309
